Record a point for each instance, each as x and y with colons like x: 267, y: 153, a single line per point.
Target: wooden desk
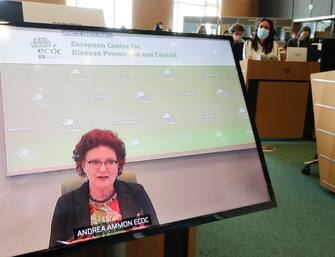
x: 278, y: 94
x: 323, y: 91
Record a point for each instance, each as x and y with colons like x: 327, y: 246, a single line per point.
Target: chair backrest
x: 76, y: 182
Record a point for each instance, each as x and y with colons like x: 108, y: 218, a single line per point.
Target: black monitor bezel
x: 178, y: 224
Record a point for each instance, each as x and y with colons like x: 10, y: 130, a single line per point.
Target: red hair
x: 95, y: 138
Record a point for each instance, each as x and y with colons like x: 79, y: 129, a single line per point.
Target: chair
x: 307, y: 164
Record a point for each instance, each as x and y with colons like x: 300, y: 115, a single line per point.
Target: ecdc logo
x: 48, y: 51
x: 45, y: 49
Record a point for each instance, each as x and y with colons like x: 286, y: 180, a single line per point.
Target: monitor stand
x: 176, y: 243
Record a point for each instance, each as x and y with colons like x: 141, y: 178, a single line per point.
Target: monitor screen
x: 327, y: 60
x: 93, y: 107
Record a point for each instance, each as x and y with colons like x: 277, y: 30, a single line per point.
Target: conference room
x: 167, y: 128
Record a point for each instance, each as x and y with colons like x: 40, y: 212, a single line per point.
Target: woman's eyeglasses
x: 96, y: 164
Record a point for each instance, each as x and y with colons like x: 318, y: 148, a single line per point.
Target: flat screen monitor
x: 177, y: 101
x: 327, y: 60
x: 313, y: 52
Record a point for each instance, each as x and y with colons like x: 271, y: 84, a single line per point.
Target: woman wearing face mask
x: 303, y: 39
x: 236, y: 31
x: 263, y: 42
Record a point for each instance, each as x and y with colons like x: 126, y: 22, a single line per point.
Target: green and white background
x: 164, y: 98
x: 158, y: 111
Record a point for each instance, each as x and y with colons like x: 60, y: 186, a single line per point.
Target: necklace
x: 108, y: 199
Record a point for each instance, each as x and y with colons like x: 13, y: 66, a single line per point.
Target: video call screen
x: 175, y: 101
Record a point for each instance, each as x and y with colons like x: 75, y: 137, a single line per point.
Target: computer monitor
x: 269, y: 57
x: 176, y: 100
x: 314, y: 52
x: 327, y: 60
x: 296, y: 54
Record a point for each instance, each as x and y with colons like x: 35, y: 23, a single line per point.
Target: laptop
x: 269, y: 57
x: 296, y: 54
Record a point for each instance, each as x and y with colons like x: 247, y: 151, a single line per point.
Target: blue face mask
x: 262, y: 33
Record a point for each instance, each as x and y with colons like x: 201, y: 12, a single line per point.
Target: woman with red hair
x: 103, y: 198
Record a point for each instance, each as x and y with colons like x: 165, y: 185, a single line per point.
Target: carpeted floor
x: 303, y: 224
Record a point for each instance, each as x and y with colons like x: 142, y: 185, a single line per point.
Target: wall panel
x: 240, y: 8
x: 146, y: 13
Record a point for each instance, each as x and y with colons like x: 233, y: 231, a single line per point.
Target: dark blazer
x: 293, y: 42
x: 238, y: 50
x: 72, y: 209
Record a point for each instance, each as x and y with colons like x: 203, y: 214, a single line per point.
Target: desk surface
x: 278, y: 70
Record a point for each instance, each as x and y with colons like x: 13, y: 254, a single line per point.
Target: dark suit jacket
x: 238, y: 50
x: 293, y: 42
x: 72, y: 209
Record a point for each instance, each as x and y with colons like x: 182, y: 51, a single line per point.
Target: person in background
x: 302, y: 39
x: 236, y: 31
x: 262, y: 43
x: 159, y: 26
x: 201, y: 29
x: 292, y: 37
x: 252, y: 34
x: 226, y: 33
